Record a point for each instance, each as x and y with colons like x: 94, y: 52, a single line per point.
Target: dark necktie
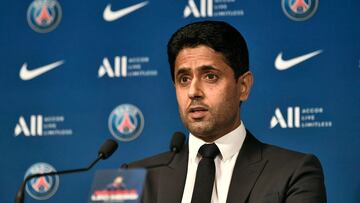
x: 205, y: 174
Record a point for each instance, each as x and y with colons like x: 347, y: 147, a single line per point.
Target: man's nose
x: 195, y: 90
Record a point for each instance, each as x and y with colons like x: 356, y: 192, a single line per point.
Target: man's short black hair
x: 218, y: 35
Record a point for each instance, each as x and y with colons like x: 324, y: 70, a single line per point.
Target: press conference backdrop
x: 74, y: 73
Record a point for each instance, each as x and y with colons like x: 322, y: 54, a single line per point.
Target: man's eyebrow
x: 182, y: 71
x: 203, y: 68
x: 207, y: 68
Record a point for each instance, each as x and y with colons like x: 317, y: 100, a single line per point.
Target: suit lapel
x: 248, y: 167
x: 173, y: 178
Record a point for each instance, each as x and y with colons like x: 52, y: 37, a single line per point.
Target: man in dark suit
x: 223, y: 162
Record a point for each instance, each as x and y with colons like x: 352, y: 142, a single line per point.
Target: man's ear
x: 245, y: 83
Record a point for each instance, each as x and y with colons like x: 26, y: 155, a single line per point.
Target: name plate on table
x: 118, y: 185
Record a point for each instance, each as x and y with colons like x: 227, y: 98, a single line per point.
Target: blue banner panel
x: 75, y: 73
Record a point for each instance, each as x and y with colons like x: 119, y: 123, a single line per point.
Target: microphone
x: 106, y: 150
x: 177, y: 142
x: 176, y: 145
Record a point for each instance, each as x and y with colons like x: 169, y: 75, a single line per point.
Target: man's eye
x: 211, y: 76
x: 184, y: 79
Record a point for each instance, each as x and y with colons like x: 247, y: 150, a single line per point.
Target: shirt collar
x: 228, y: 144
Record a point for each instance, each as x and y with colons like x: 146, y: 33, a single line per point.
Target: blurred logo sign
x: 44, y: 15
x: 26, y: 74
x: 297, y: 117
x: 212, y: 8
x: 43, y: 187
x: 110, y: 15
x: 39, y: 125
x: 124, y: 66
x: 126, y: 122
x: 281, y: 64
x: 299, y: 10
x: 110, y: 186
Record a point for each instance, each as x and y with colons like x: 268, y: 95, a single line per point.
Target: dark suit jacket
x: 262, y: 174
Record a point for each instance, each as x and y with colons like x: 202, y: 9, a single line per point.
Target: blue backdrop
x: 74, y: 73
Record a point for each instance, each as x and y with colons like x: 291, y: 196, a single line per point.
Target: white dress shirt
x: 229, y: 146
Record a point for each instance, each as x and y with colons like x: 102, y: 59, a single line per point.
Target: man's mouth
x: 197, y: 111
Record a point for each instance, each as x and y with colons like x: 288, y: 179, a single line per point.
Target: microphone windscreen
x: 108, y: 148
x: 177, y: 142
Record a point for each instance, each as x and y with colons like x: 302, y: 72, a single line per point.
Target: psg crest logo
x: 299, y: 10
x: 43, y: 187
x: 126, y: 122
x: 44, y: 15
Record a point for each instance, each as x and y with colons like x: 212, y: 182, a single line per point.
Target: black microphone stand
x: 19, y: 198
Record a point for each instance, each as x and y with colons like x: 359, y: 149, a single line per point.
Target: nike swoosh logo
x: 110, y: 15
x: 26, y: 74
x: 281, y: 64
